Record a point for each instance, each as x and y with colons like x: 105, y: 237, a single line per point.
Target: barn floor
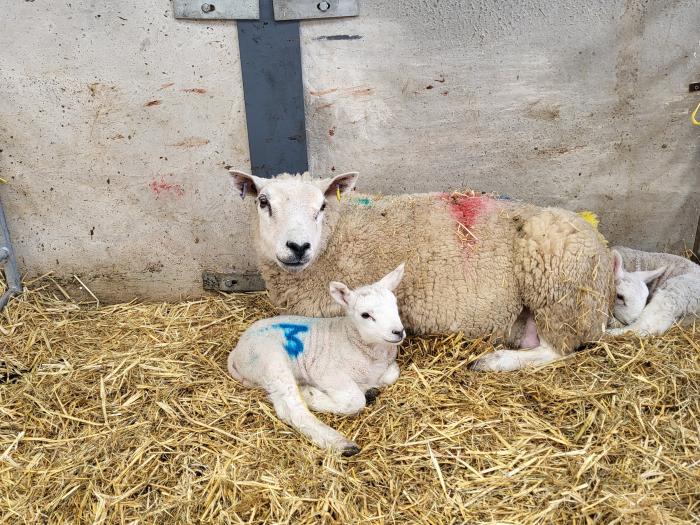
x: 125, y: 414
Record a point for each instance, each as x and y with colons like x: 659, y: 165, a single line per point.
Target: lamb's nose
x: 400, y: 333
x: 298, y: 249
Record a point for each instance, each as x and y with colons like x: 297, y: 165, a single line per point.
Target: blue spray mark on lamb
x: 292, y: 344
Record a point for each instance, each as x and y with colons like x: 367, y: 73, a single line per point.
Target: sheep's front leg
x: 509, y: 360
x: 336, y: 394
x: 657, y: 317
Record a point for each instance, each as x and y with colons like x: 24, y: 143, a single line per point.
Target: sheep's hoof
x: 351, y: 450
x: 615, y: 331
x: 371, y: 395
x: 492, y: 362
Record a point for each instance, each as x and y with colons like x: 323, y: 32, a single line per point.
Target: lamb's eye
x: 262, y: 200
x: 323, y: 206
x: 620, y: 298
x: 365, y: 315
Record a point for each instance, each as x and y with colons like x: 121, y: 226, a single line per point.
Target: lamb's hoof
x: 371, y: 395
x: 351, y: 450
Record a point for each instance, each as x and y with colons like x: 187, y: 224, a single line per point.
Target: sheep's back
x: 458, y: 250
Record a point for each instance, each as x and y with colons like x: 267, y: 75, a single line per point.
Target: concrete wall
x: 115, y: 120
x: 581, y: 104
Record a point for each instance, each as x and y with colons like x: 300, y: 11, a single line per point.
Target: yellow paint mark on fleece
x: 590, y: 217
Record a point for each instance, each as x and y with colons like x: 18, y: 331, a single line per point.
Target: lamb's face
x: 373, y: 308
x: 376, y: 316
x: 632, y: 295
x: 291, y: 212
x: 632, y: 290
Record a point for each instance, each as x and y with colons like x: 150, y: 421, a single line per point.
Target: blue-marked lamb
x: 654, y: 291
x: 330, y: 364
x: 538, y: 279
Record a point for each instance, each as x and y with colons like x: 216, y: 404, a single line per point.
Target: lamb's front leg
x: 657, y: 317
x: 336, y: 394
x: 391, y: 374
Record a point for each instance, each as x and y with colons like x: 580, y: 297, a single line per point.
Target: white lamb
x: 331, y: 364
x: 654, y: 291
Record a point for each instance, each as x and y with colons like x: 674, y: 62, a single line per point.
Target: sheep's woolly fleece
x: 474, y: 263
x: 125, y: 414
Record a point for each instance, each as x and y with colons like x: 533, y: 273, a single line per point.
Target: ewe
x: 333, y: 364
x: 659, y: 290
x: 535, y: 278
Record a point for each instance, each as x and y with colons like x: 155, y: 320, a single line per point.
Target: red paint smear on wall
x: 159, y: 187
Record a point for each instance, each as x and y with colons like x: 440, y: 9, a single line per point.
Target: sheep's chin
x: 293, y: 267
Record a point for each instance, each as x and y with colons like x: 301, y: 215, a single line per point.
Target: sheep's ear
x: 651, y: 275
x: 340, y: 183
x: 618, y: 267
x: 392, y: 280
x: 341, y: 294
x: 246, y: 184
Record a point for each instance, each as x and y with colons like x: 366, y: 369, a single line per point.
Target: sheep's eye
x: 323, y: 206
x: 620, y: 297
x: 263, y: 201
x: 365, y: 315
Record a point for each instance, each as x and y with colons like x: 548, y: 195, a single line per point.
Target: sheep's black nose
x: 297, y: 249
x: 399, y: 333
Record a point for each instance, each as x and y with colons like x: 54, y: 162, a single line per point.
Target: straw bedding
x: 125, y: 414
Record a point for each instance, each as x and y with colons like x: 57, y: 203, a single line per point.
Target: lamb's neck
x: 372, y: 351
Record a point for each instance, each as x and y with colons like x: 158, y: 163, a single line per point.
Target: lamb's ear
x: 340, y: 183
x: 392, y: 280
x: 341, y: 294
x: 618, y: 267
x: 650, y: 275
x: 246, y: 184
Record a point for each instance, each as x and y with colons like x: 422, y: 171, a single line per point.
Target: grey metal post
x: 7, y: 258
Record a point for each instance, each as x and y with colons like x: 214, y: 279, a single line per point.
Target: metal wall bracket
x: 250, y: 10
x: 306, y: 9
x: 232, y: 282
x: 217, y: 9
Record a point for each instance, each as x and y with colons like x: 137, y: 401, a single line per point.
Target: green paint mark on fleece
x: 363, y: 201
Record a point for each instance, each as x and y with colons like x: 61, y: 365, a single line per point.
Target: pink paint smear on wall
x: 160, y: 187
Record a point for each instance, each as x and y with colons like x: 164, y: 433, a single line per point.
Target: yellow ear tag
x: 692, y: 117
x: 337, y: 192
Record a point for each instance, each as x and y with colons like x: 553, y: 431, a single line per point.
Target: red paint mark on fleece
x: 466, y: 210
x: 160, y: 187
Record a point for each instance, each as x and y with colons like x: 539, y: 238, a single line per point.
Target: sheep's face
x: 632, y: 290
x: 291, y: 213
x: 373, y: 309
